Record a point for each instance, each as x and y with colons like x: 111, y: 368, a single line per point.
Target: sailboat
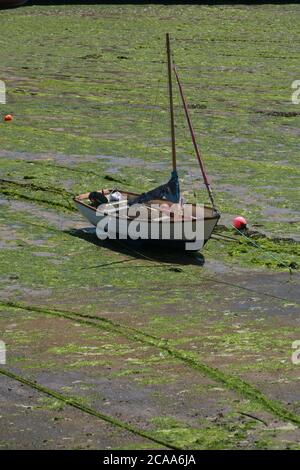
x: 160, y: 215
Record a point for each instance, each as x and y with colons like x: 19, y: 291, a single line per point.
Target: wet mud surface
x: 115, y: 346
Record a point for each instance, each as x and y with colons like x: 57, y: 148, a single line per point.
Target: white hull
x: 160, y: 231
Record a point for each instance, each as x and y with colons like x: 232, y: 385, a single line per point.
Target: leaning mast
x: 170, y: 66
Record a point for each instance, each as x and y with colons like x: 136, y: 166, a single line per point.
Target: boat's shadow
x: 139, y: 250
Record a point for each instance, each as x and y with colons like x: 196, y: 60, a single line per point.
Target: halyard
x: 112, y: 348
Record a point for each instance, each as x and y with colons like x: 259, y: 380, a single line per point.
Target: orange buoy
x: 8, y: 117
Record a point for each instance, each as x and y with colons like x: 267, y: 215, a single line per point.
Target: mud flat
x: 109, y: 347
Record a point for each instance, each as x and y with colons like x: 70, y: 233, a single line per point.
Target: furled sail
x: 169, y: 191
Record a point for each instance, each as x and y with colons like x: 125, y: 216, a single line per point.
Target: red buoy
x: 8, y: 117
x: 239, y: 222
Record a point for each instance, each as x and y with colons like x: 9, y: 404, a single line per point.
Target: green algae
x: 239, y: 98
x: 274, y: 254
x: 210, y: 437
x: 190, y: 359
x: 50, y: 404
x: 98, y: 102
x: 201, y: 436
x: 130, y: 372
x: 255, y: 341
x: 78, y: 403
x: 264, y: 253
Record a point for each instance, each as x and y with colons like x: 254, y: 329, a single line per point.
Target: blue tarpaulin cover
x: 169, y: 192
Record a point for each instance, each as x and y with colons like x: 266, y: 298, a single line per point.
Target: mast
x: 171, y: 102
x: 197, y: 150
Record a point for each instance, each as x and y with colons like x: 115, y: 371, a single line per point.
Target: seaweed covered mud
x: 113, y: 347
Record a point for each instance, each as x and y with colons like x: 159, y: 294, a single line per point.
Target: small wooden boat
x: 159, y: 215
x: 162, y: 222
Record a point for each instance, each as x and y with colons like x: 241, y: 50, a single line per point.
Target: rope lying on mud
x: 253, y: 291
x: 252, y: 417
x: 232, y: 382
x: 76, y: 170
x: 86, y: 409
x: 280, y: 261
x: 33, y: 187
x: 218, y: 236
x: 171, y: 267
x: 276, y: 258
x: 39, y: 200
x: 217, y: 281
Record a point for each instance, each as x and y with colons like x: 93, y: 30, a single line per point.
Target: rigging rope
x: 197, y: 150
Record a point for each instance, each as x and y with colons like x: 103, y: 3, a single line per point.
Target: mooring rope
x: 276, y: 258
